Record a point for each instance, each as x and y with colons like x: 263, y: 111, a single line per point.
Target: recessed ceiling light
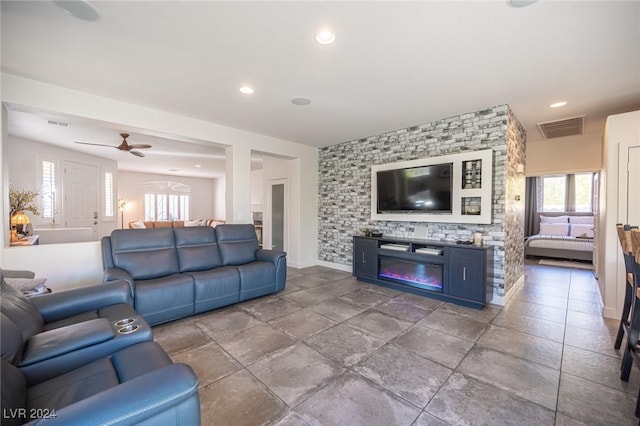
x: 325, y: 37
x: 197, y: 166
x: 173, y: 170
x: 558, y: 104
x: 79, y: 9
x: 301, y: 101
x: 247, y: 90
x: 520, y: 3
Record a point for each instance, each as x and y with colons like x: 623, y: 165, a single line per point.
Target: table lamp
x: 19, y: 220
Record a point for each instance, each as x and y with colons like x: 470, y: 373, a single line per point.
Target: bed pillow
x: 554, y: 219
x: 554, y: 229
x: 581, y: 220
x: 582, y: 230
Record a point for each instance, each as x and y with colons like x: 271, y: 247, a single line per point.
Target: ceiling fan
x: 124, y: 146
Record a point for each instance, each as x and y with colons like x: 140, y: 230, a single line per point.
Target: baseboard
x: 503, y: 300
x: 338, y: 266
x: 610, y: 313
x: 514, y: 288
x: 497, y: 300
x: 300, y: 265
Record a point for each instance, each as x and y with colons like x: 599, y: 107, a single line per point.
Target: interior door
x: 633, y: 186
x: 81, y: 196
x: 278, y: 214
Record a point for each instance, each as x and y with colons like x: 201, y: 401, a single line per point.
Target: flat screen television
x: 424, y: 189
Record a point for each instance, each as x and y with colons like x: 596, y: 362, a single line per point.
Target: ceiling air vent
x: 561, y: 128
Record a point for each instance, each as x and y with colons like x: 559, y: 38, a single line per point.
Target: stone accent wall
x: 345, y: 180
x: 514, y: 204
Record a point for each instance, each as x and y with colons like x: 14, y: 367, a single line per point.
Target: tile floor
x: 330, y: 350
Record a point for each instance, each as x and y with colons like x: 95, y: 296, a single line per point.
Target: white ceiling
x: 393, y: 65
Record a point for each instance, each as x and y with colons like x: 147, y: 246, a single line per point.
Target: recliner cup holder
x: 128, y: 329
x: 125, y: 321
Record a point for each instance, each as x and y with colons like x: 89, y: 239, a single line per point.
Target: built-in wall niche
x: 469, y: 185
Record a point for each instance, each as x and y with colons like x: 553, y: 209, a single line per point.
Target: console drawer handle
x: 464, y: 273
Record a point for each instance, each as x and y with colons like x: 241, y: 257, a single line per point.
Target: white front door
x: 81, y: 196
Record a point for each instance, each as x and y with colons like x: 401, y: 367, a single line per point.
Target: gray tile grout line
x: 564, y: 336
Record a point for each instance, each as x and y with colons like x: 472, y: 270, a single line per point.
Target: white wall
x: 131, y: 190
x: 219, y: 207
x: 63, y: 265
x: 571, y: 154
x: 621, y: 131
x: 34, y: 94
x: 257, y: 190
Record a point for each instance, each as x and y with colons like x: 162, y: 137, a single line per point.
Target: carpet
x: 566, y: 264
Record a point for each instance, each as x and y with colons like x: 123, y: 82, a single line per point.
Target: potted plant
x: 367, y: 232
x: 22, y: 201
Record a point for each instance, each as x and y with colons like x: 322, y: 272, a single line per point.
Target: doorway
x: 278, y: 211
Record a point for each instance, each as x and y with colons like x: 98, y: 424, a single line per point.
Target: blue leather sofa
x: 174, y: 273
x: 65, y: 361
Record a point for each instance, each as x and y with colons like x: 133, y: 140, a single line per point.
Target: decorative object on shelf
x: 367, y: 232
x: 121, y: 205
x: 477, y: 174
x: 18, y: 222
x: 477, y: 238
x: 472, y: 205
x: 468, y: 175
x: 19, y: 202
x: 376, y: 234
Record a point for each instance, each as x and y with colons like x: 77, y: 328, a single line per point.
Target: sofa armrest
x: 53, y: 343
x: 63, y: 304
x: 279, y: 259
x: 7, y: 273
x: 269, y: 255
x: 174, y: 387
x: 113, y: 274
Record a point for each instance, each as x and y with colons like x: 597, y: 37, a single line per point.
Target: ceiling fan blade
x: 139, y: 146
x: 95, y: 144
x: 136, y: 153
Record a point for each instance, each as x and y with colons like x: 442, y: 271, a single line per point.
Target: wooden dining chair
x: 624, y: 236
x: 632, y: 348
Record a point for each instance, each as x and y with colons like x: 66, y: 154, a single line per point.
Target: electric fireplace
x: 416, y: 274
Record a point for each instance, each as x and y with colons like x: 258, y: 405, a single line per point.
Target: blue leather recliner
x: 174, y: 273
x: 65, y: 360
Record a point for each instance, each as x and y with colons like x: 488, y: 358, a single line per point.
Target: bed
x: 554, y: 236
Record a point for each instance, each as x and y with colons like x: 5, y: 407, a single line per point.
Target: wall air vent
x: 58, y: 123
x: 561, y: 128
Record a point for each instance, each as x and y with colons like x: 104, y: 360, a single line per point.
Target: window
x: 572, y: 193
x: 553, y: 193
x: 48, y: 192
x: 584, y: 192
x: 166, y: 207
x: 108, y: 194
